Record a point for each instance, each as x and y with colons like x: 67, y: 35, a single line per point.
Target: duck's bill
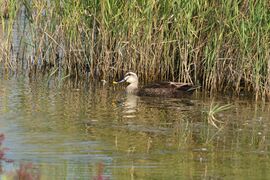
x: 121, y: 81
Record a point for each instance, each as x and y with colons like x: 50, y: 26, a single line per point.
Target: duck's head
x: 130, y: 77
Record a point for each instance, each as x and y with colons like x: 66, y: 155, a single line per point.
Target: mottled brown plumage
x: 163, y: 89
x: 167, y: 89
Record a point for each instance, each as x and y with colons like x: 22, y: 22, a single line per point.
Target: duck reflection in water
x: 130, y: 106
x: 163, y: 89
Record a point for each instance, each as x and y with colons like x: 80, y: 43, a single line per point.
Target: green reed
x: 8, y: 11
x: 224, y: 46
x: 213, y: 110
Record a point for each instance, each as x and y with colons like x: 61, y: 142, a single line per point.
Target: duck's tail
x: 188, y: 87
x: 194, y: 87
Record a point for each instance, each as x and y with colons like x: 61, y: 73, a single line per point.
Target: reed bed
x: 223, y: 46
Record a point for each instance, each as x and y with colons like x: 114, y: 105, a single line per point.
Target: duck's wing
x: 167, y: 89
x: 185, y: 87
x: 161, y: 85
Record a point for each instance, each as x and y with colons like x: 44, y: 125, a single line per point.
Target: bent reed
x: 223, y: 46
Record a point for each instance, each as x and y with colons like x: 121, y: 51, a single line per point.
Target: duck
x: 162, y: 89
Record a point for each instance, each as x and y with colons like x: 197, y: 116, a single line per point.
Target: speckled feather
x: 167, y: 89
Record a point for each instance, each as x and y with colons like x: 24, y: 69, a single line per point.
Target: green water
x: 89, y: 131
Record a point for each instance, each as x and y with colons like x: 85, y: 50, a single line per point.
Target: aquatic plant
x: 214, y: 109
x: 100, y: 172
x: 3, y: 150
x: 223, y: 46
x: 24, y: 172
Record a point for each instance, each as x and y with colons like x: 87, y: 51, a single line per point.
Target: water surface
x: 88, y: 131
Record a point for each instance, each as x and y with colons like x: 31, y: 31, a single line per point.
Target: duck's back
x: 167, y: 89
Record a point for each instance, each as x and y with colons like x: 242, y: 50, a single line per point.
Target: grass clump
x: 213, y: 111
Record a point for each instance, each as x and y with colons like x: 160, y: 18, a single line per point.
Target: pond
x: 85, y: 130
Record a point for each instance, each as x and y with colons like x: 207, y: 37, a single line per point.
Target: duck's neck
x: 132, y: 88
